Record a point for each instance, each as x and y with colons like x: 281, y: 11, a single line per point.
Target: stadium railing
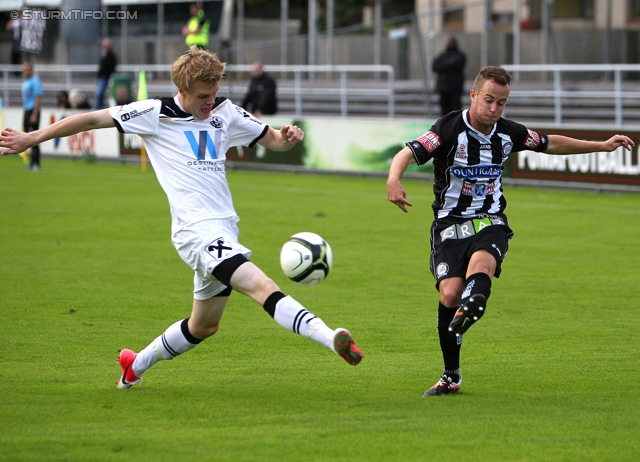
x: 308, y: 81
x: 595, y: 89
x: 549, y: 93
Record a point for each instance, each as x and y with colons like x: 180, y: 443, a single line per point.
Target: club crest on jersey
x: 506, y: 149
x: 216, y: 122
x: 219, y: 249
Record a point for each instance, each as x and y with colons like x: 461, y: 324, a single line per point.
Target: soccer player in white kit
x: 186, y: 138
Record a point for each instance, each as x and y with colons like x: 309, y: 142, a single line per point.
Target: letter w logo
x: 203, y: 144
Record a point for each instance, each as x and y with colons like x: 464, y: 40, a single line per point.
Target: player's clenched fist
x: 292, y: 133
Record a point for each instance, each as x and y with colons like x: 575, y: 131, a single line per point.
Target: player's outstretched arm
x: 14, y: 141
x: 395, y: 191
x: 559, y: 144
x: 282, y: 140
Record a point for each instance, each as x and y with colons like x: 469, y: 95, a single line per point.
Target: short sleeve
x: 246, y: 129
x: 528, y: 140
x: 424, y: 147
x: 37, y: 88
x: 140, y: 117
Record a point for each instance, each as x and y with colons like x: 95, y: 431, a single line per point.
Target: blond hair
x: 196, y: 65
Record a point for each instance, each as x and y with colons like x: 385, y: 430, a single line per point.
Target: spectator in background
x: 196, y: 31
x: 261, y: 97
x: 107, y: 67
x: 16, y: 52
x: 63, y: 100
x: 31, y: 103
x: 78, y: 100
x: 449, y: 65
x: 122, y: 95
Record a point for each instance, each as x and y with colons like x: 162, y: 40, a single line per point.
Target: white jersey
x: 188, y: 154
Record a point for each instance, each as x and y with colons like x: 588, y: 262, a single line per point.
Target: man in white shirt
x: 186, y: 138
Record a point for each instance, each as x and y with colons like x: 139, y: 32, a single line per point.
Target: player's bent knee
x: 263, y: 289
x: 269, y: 286
x: 450, y: 301
x: 211, y: 330
x: 450, y: 293
x: 202, y: 332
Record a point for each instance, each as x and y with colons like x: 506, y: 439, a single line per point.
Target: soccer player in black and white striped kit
x: 470, y: 233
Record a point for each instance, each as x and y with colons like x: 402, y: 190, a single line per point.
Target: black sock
x: 478, y: 283
x: 184, y: 327
x: 271, y: 302
x: 448, y: 343
x: 455, y: 375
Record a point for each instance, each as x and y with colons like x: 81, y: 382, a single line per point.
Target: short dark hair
x: 494, y: 73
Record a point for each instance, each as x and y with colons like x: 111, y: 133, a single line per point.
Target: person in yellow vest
x: 196, y: 31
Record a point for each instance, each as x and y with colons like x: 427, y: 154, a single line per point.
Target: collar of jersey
x: 216, y: 105
x: 465, y: 117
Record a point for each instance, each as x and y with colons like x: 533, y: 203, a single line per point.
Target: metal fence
x: 346, y: 83
x: 562, y: 93
x: 609, y: 88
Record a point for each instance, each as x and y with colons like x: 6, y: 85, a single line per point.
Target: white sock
x: 167, y: 346
x: 293, y: 316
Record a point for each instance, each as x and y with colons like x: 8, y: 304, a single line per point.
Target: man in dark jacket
x: 107, y: 67
x: 449, y: 65
x: 261, y: 96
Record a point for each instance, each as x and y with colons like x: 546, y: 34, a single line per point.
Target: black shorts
x: 454, y: 242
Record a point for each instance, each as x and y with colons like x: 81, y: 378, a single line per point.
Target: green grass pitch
x: 87, y: 267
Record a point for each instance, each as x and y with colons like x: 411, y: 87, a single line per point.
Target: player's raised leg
x: 290, y: 314
x: 473, y: 300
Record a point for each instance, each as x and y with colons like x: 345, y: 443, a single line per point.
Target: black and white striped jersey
x: 468, y: 165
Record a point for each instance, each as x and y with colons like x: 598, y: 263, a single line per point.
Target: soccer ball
x: 306, y: 258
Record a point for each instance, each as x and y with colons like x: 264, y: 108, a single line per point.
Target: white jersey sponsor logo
x: 188, y: 154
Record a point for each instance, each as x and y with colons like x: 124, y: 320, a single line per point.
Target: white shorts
x: 203, y: 246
